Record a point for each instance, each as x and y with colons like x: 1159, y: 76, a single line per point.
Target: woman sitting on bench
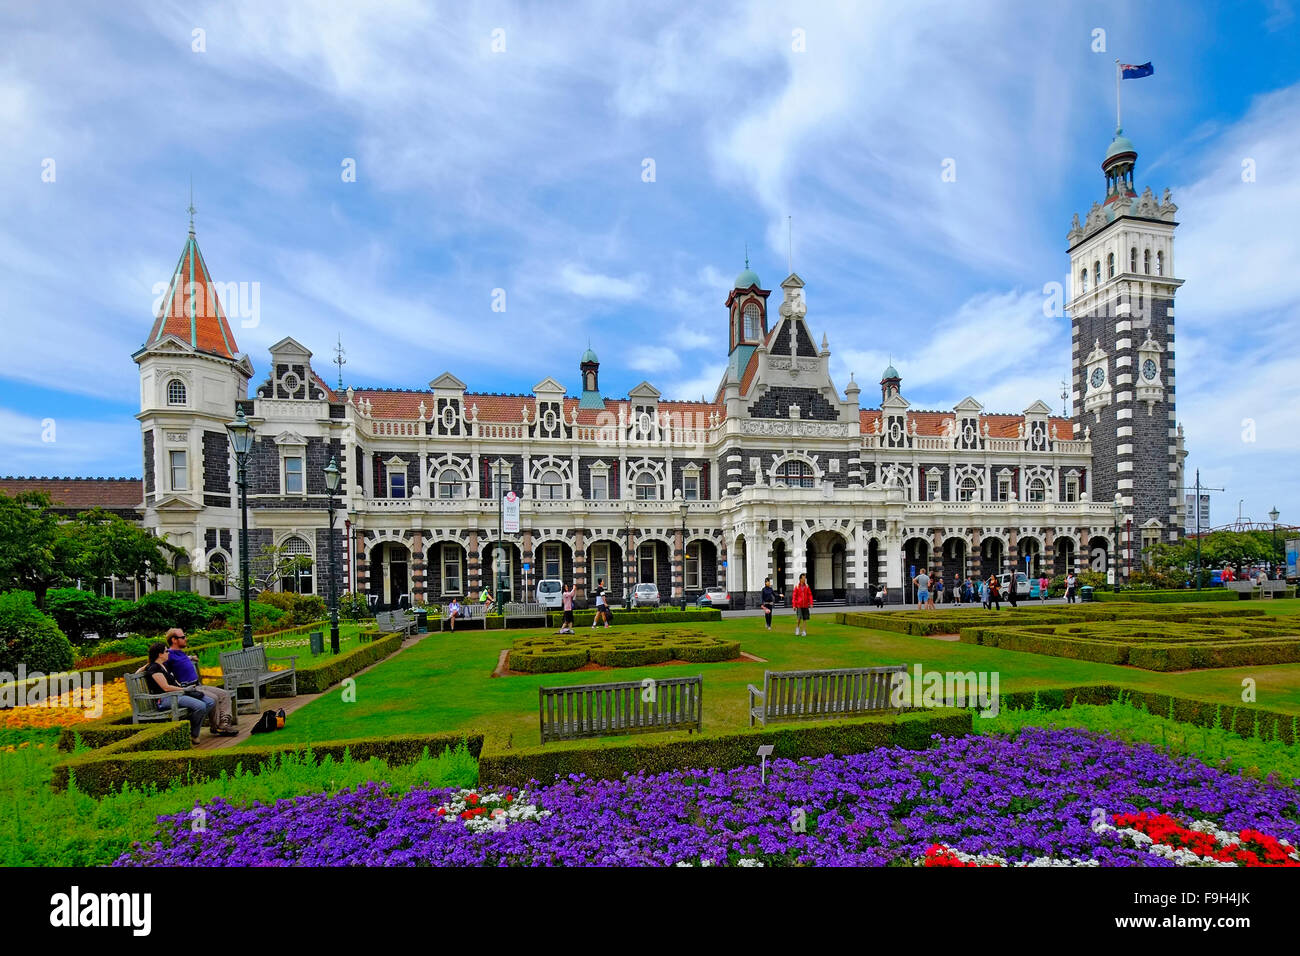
x: 453, y: 612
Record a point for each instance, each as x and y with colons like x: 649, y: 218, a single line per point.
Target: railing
x: 395, y: 428
x: 1005, y: 446
x: 1007, y: 507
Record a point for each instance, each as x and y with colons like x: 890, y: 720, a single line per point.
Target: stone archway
x: 390, y: 574
x: 1065, y: 556
x: 992, y: 551
x: 825, y: 563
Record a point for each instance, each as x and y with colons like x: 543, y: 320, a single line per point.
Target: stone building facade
x: 782, y: 473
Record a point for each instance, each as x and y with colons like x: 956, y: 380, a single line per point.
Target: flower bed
x: 1025, y: 800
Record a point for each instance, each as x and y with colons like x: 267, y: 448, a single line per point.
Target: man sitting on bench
x: 187, y: 676
x: 453, y: 612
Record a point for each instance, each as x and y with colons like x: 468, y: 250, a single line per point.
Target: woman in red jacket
x: 802, y: 600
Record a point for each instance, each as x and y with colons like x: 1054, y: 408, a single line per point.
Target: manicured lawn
x: 444, y: 683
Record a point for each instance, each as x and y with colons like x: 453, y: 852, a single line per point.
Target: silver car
x: 645, y: 595
x: 714, y: 597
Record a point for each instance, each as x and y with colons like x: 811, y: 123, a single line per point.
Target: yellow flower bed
x: 59, y: 712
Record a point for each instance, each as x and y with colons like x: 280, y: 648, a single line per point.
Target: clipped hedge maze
x: 550, y: 653
x: 953, y: 621
x: 1154, y: 645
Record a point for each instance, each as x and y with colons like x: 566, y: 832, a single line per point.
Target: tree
x: 110, y: 546
x: 37, y: 552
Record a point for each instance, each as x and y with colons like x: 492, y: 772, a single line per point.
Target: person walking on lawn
x: 768, y: 601
x: 922, y: 585
x: 566, y: 605
x: 802, y: 599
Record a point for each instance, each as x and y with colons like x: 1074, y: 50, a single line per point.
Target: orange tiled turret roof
x: 191, y: 310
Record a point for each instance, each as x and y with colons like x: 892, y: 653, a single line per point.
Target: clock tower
x: 1122, y: 346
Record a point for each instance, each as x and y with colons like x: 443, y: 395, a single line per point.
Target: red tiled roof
x: 191, y: 310
x: 82, y: 494
x: 393, y: 403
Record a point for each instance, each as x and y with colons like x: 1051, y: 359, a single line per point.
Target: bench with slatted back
x: 393, y: 622
x: 250, y: 667
x: 471, y: 614
x: 807, y: 695
x: 627, y: 707
x: 518, y: 610
x: 145, y: 701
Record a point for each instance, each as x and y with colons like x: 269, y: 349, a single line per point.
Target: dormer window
x: 176, y: 392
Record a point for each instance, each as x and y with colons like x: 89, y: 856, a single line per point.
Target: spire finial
x: 339, y: 360
x: 746, y: 253
x: 190, y: 208
x: 789, y: 239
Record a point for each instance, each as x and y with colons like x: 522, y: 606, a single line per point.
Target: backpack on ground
x: 269, y: 721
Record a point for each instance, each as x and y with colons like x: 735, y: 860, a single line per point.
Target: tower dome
x: 589, y: 356
x: 747, y: 278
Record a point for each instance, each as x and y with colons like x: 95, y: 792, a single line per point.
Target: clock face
x: 1149, y: 369
x: 1098, y: 378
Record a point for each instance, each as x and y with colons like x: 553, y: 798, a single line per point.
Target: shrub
x: 81, y: 612
x: 155, y: 613
x: 30, y: 637
x: 546, y: 660
x: 549, y: 653
x: 298, y: 608
x: 353, y: 606
x: 263, y: 617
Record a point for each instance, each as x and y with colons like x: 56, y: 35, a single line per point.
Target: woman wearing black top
x: 767, y: 601
x: 162, y: 681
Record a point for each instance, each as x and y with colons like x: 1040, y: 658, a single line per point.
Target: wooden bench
x: 394, y: 622
x: 144, y: 705
x: 806, y: 695
x: 600, y: 710
x: 471, y: 615
x: 250, y: 667
x: 525, y: 610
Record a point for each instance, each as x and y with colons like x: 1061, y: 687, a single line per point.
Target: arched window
x: 1146, y: 262
x: 217, y: 576
x: 647, y: 489
x: 753, y: 322
x: 1096, y: 273
x: 296, y: 566
x: 181, y: 573
x: 1037, y: 490
x: 176, y: 392
x: 551, y: 485
x: 1083, y: 280
x: 1160, y: 263
x: 795, y: 474
x: 451, y: 484
x: 967, y: 489
x: 1110, y: 266
x: 1133, y: 260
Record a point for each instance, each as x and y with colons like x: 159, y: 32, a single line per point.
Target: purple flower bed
x: 1021, y: 798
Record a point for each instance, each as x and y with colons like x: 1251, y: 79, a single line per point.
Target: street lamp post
x: 1117, y: 510
x: 241, y: 442
x: 331, y: 489
x: 683, y: 506
x: 1274, y: 515
x: 628, y: 558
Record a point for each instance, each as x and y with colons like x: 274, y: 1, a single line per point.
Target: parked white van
x: 550, y: 593
x: 1022, y: 584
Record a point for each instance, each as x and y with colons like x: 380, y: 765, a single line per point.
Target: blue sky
x: 522, y: 169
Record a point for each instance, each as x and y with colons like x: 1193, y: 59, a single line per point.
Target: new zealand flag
x: 1132, y: 72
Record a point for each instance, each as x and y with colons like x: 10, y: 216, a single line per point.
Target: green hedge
x: 108, y: 770
x: 911, y: 730
x: 1164, y: 597
x: 550, y: 653
x: 1243, y: 720
x: 324, y: 672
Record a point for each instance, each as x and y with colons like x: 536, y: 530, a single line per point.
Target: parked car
x: 645, y: 595
x: 714, y: 597
x: 1022, y: 584
x: 550, y: 593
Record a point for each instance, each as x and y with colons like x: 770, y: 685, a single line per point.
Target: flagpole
x: 1118, y: 124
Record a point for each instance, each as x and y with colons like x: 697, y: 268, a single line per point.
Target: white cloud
x: 594, y: 285
x: 653, y: 358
